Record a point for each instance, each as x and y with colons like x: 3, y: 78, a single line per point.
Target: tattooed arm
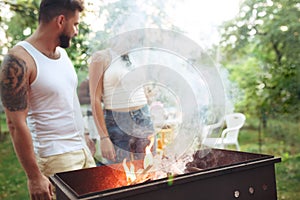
x: 14, y: 87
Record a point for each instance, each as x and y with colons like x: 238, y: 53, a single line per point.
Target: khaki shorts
x: 66, y: 162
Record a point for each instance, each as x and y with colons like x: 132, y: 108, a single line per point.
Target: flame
x: 148, y: 160
x: 133, y: 177
x: 130, y: 173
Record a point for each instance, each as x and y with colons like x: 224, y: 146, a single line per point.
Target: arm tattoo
x: 14, y: 83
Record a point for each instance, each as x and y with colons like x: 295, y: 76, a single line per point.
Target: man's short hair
x: 52, y: 8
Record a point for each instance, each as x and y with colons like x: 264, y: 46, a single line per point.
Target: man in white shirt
x: 38, y: 91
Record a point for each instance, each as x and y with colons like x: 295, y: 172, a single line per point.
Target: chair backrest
x: 235, y: 121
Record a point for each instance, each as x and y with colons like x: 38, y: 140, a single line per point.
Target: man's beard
x: 64, y: 41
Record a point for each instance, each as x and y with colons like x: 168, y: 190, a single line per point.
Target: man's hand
x: 91, y: 145
x: 40, y: 188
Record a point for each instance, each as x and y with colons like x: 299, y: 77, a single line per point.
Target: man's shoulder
x: 19, y: 52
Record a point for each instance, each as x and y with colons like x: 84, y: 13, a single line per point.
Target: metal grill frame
x: 252, y: 179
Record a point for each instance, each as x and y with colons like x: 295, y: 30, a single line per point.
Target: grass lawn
x: 13, y: 185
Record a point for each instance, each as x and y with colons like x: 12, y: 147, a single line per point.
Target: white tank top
x: 120, y: 90
x: 54, y: 116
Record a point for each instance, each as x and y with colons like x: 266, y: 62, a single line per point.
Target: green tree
x: 262, y: 51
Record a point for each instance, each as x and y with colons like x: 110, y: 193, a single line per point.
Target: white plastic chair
x: 229, y: 136
x: 211, y: 128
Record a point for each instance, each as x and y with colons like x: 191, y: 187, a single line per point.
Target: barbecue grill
x: 211, y: 175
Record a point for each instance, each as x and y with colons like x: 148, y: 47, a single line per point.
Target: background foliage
x: 261, y: 48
